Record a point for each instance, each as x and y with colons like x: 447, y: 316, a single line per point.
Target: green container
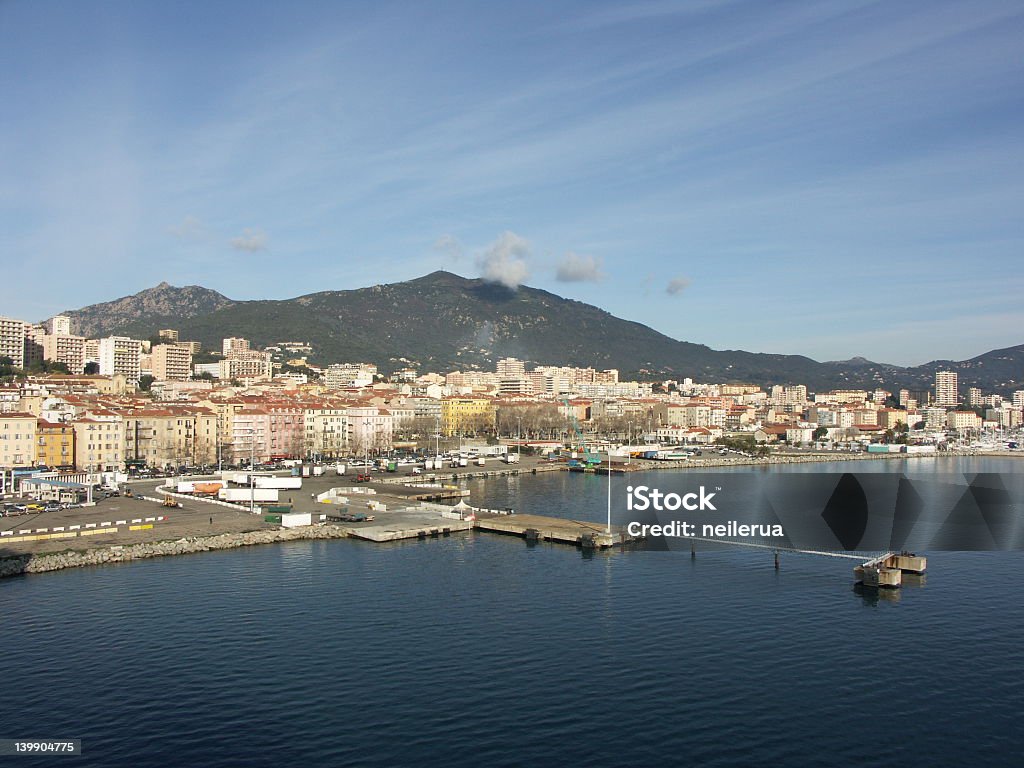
x: 275, y: 519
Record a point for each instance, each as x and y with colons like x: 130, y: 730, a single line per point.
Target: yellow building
x: 462, y: 415
x: 55, y: 444
x: 17, y: 439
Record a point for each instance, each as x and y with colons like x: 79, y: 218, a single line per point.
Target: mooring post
x: 693, y: 551
x: 776, y: 561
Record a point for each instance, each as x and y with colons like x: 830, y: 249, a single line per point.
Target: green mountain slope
x: 445, y: 322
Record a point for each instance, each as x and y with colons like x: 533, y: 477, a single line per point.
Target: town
x: 123, y: 405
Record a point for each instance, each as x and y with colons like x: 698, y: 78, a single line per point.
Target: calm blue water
x: 479, y: 650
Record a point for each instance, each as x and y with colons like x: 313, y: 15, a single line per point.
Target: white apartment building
x: 234, y: 345
x: 119, y: 354
x: 946, y: 389
x: 246, y: 364
x: 59, y: 325
x: 12, y: 340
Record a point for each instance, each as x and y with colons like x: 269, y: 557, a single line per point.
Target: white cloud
x: 578, y: 268
x: 504, y: 261
x: 251, y: 240
x: 677, y: 285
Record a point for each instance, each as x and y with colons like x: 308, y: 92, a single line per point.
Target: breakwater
x: 19, y: 564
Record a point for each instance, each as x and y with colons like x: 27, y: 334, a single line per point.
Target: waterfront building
x: 17, y: 439
x: 99, y: 439
x: 462, y: 415
x: 946, y: 389
x: 55, y: 444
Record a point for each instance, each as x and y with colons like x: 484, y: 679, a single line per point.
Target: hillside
x: 446, y: 322
x: 160, y: 307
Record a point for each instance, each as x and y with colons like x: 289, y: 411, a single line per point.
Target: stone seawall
x: 13, y: 566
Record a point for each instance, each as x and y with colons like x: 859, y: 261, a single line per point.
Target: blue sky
x: 829, y: 178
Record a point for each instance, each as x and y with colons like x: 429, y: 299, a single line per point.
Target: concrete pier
x: 540, y: 528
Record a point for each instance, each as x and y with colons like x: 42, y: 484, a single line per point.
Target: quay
x: 540, y: 528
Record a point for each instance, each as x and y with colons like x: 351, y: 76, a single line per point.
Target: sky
x: 834, y: 179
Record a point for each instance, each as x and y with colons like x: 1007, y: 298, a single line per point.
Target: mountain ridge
x: 443, y: 321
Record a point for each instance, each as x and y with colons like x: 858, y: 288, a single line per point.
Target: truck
x: 463, y: 461
x: 481, y: 462
x: 281, y: 483
x: 511, y: 458
x: 318, y: 471
x: 339, y: 468
x: 244, y: 495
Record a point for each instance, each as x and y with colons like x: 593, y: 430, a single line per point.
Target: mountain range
x: 443, y: 322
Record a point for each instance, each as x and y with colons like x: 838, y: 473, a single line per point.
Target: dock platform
x: 541, y: 528
x: 406, y: 524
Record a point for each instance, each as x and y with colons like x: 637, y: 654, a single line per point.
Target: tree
x: 204, y: 376
x: 820, y: 433
x: 146, y: 382
x: 92, y: 368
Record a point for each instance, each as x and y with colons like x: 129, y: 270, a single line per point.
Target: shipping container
x: 243, y: 495
x: 306, y: 470
x: 340, y: 469
x: 296, y: 519
x: 282, y: 483
x: 186, y: 487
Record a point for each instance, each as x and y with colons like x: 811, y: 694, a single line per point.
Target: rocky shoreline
x: 19, y: 564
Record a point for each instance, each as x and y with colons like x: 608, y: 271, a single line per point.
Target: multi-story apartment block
x: 370, y: 430
x: 12, y: 340
x: 326, y: 428
x: 171, y: 362
x: 55, y: 444
x: 467, y: 414
x: 119, y: 354
x: 33, y: 344
x: 17, y: 439
x: 59, y: 325
x: 511, y: 368
x: 99, y: 444
x: 168, y: 334
x: 946, y: 389
x: 342, y: 375
x: 246, y: 365
x: 66, y: 349
x: 963, y: 420
x: 171, y: 437
x: 974, y: 397
x: 231, y: 345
